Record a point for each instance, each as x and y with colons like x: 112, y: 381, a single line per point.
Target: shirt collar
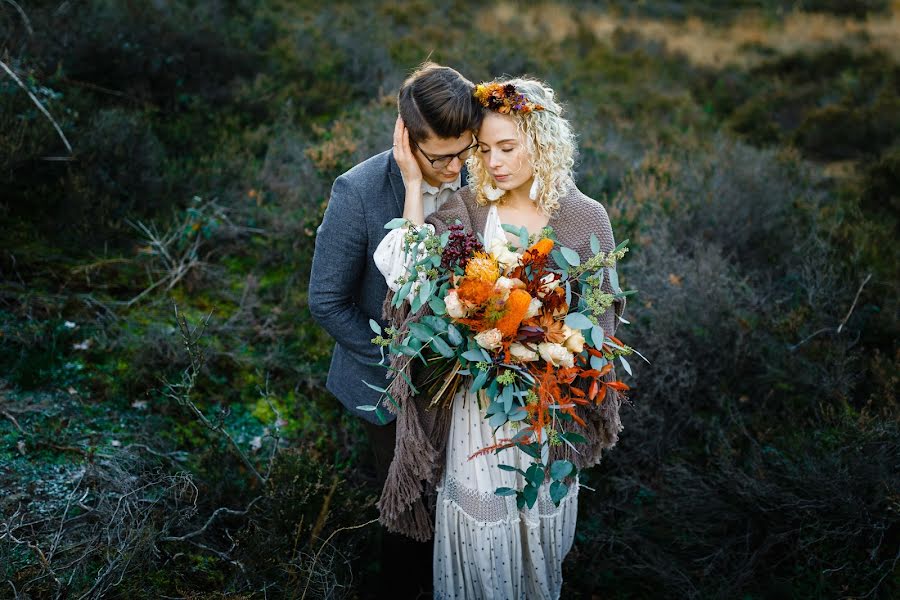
x: 427, y: 188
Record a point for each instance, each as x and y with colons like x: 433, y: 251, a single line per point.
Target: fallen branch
x: 843, y: 322
x: 38, y: 104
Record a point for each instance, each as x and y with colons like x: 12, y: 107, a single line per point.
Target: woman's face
x: 504, y: 152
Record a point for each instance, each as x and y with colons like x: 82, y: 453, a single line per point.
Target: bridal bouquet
x: 522, y: 333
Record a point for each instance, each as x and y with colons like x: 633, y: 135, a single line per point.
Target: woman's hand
x: 403, y: 154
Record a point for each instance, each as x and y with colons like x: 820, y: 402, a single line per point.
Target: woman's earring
x: 536, y: 186
x: 491, y: 193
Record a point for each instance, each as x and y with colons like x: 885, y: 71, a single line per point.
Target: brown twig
x: 325, y: 543
x: 843, y: 322
x: 37, y: 102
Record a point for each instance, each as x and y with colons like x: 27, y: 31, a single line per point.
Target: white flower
x: 504, y: 285
x: 521, y: 353
x: 455, y: 308
x: 490, y: 339
x: 69, y: 325
x: 491, y: 193
x: 550, y: 282
x: 575, y: 342
x: 507, y: 258
x: 556, y: 355
x: 533, y: 308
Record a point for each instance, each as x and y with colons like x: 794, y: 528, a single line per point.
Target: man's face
x: 439, y: 149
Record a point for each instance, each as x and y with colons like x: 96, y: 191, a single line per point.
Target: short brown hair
x: 437, y: 100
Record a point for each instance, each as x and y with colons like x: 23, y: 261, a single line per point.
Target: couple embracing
x: 485, y: 156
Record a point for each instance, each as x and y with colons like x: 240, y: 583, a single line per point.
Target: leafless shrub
x: 106, y: 529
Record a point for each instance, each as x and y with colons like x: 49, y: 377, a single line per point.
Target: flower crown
x: 504, y: 98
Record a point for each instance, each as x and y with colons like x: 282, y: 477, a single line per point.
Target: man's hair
x: 437, y: 100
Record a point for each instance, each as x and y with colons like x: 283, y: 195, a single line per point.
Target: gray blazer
x: 346, y: 289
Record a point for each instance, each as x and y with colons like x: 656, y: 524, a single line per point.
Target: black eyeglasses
x: 442, y: 161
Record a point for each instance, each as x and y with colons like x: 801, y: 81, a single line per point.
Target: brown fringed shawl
x: 407, y: 501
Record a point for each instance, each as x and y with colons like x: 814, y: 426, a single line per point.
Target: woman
x: 485, y: 547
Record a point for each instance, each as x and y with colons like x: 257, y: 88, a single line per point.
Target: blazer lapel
x: 396, y: 183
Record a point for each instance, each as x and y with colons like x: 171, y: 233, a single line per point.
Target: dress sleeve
x: 394, y: 261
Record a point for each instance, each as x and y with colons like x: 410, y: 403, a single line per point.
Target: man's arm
x: 337, y: 270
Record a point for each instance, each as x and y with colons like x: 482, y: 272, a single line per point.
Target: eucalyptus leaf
x: 505, y: 491
x: 421, y: 331
x: 560, y: 469
x: 425, y: 291
x: 507, y: 398
x: 511, y: 469
x: 437, y: 306
x: 575, y: 438
x: 473, y: 355
x: 380, y: 390
x: 453, y: 335
x: 625, y: 365
x: 373, y: 324
x: 535, y: 475
x: 436, y: 323
x: 568, y: 293
x: 621, y: 245
x: 517, y: 414
x: 404, y: 292
x: 558, y: 491
x: 407, y: 350
x: 478, y: 383
x: 598, y: 362
x: 497, y: 420
x: 613, y: 280
x: 441, y: 346
x: 597, y: 336
x: 595, y: 244
x: 395, y: 223
x: 367, y: 407
x: 560, y: 260
x: 571, y: 256
x: 577, y: 320
x: 533, y: 449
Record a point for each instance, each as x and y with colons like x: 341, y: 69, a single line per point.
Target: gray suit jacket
x: 346, y: 289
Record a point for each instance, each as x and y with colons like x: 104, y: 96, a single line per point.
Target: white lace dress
x: 484, y: 546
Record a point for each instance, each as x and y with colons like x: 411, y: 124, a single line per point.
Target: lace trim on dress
x: 487, y: 508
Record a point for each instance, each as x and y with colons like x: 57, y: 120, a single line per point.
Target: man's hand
x: 403, y: 154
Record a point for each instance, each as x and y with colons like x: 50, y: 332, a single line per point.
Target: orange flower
x: 542, y: 247
x: 516, y: 306
x: 475, y: 292
x: 483, y: 267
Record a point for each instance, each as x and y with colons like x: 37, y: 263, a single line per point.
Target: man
x: 346, y: 290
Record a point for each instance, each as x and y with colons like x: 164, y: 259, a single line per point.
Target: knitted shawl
x: 407, y: 501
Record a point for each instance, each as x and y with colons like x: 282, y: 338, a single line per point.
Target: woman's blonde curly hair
x: 549, y: 141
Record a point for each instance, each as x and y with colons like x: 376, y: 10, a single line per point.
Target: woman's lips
x: 501, y: 177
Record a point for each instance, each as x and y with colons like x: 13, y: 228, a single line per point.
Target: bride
x: 484, y: 545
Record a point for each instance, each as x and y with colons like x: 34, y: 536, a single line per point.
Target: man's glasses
x: 442, y: 161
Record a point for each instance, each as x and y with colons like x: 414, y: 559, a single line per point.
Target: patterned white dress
x: 484, y: 546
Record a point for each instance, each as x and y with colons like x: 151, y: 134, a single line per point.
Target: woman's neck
x: 518, y: 199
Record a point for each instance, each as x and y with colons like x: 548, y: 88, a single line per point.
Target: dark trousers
x: 406, y: 569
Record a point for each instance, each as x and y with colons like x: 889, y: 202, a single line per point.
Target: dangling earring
x: 491, y: 193
x: 536, y: 186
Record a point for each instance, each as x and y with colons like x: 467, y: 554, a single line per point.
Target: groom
x: 346, y: 289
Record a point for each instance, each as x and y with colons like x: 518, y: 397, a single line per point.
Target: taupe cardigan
x: 407, y: 500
